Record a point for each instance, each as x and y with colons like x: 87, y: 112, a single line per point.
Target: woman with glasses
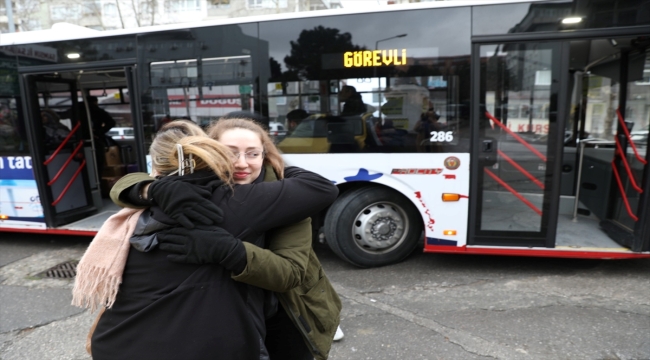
x: 305, y: 320
x: 284, y: 331
x: 188, y: 308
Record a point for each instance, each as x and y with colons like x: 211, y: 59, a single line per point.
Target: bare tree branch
x: 136, y: 14
x: 153, y: 6
x: 119, y: 12
x: 24, y: 11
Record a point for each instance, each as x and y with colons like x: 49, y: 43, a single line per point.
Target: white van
x: 121, y: 133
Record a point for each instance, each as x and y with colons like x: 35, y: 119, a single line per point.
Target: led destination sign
x: 374, y: 58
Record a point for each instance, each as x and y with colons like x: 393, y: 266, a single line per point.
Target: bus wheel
x: 372, y: 226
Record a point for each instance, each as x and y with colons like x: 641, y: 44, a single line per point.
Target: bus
x: 486, y: 127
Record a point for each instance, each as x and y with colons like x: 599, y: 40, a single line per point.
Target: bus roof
x: 64, y: 31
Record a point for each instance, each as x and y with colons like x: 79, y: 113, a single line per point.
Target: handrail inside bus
x: 621, y: 121
x: 65, y: 165
x: 521, y: 169
x: 617, y: 176
x: 626, y: 165
x: 582, y: 143
x: 516, y: 166
x: 517, y: 137
x: 513, y: 191
x: 65, y: 141
x: 74, y: 177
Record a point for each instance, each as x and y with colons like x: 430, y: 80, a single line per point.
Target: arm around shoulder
x: 119, y: 192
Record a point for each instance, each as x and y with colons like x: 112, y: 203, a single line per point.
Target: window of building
x: 64, y: 12
x: 185, y: 5
x: 267, y: 4
x: 110, y: 10
x: 91, y: 8
x: 219, y: 4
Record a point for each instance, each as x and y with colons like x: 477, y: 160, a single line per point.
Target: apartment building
x: 116, y: 14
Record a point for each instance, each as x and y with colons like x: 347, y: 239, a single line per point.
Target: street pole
x: 374, y: 69
x: 10, y: 16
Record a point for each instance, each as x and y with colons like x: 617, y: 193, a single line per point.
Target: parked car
x: 640, y: 136
x: 277, y: 131
x: 121, y: 133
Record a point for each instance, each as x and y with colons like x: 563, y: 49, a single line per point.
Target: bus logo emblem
x: 452, y: 163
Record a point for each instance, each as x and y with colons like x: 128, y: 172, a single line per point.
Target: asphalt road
x: 428, y: 307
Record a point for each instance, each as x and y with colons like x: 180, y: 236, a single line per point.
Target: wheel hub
x: 383, y: 228
x: 379, y: 227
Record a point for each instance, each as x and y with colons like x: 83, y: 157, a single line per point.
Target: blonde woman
x: 288, y: 266
x: 189, y: 308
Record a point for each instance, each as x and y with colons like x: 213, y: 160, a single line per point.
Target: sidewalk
x: 37, y: 320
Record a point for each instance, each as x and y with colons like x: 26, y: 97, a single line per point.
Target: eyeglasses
x: 250, y: 155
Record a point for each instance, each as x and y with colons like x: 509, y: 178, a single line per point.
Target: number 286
x: 441, y: 136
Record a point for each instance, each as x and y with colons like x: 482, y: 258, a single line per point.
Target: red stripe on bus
x: 577, y: 254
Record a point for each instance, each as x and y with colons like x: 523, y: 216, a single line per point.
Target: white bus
x: 492, y: 127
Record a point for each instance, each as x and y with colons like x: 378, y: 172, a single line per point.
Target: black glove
x: 205, y: 245
x: 185, y: 203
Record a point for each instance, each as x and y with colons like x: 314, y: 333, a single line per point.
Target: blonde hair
x: 188, y: 127
x: 272, y: 154
x: 207, y: 153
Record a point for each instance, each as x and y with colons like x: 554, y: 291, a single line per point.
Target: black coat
x: 166, y: 310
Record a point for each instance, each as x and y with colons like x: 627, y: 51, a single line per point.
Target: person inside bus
x: 55, y: 132
x: 294, y: 118
x: 353, y: 104
x: 102, y: 121
x: 289, y: 251
x: 428, y: 122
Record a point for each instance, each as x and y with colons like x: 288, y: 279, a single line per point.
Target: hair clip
x: 183, y: 163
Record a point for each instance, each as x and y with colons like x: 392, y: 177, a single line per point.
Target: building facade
x: 31, y: 15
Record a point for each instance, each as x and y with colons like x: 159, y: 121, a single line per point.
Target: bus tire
x: 372, y: 226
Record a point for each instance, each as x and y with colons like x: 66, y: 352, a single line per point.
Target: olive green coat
x: 290, y: 268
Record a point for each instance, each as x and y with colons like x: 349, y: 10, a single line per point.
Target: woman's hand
x: 185, y: 203
x: 204, y: 245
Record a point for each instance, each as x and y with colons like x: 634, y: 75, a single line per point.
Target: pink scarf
x: 99, y: 273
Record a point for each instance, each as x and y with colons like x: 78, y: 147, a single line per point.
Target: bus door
x: 627, y: 214
x: 60, y: 158
x: 518, y: 90
x: 136, y: 118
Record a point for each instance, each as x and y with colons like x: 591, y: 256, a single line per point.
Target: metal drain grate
x: 66, y: 270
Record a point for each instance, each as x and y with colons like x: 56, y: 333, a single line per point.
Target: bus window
x: 394, y: 90
x: 12, y: 134
x: 189, y: 76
